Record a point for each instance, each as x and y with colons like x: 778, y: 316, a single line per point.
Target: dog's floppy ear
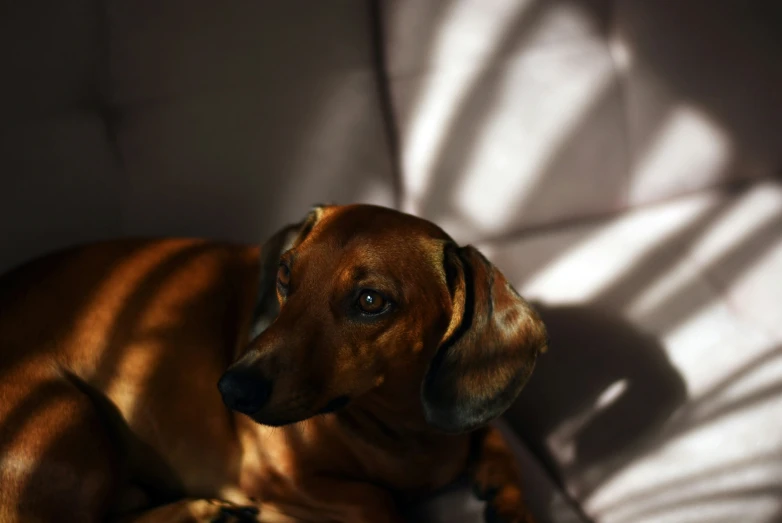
x: 305, y: 226
x: 267, y: 308
x: 488, y: 350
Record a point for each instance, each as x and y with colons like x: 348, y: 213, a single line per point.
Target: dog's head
x: 370, y: 297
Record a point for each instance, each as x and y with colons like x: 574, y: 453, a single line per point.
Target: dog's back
x: 366, y: 382
x: 148, y: 325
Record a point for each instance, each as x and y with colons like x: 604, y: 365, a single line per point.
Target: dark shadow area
x: 583, y: 444
x: 184, y: 119
x: 454, y: 504
x: 248, y: 118
x: 721, y: 57
x: 708, y: 407
x: 592, y: 350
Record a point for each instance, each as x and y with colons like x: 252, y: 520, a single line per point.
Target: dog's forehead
x: 375, y: 238
x: 370, y: 222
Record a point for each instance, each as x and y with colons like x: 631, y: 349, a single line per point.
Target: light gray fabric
x: 660, y: 398
x: 514, y: 113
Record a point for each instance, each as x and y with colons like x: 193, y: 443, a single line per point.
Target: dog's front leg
x: 497, y: 479
x: 194, y: 511
x: 349, y: 502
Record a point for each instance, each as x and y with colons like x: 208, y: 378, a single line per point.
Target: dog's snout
x: 244, y: 390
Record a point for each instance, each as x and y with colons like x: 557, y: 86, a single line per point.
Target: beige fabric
x: 515, y: 113
x: 509, y: 113
x: 659, y: 399
x: 701, y: 85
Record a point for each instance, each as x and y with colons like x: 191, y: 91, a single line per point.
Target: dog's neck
x: 389, y: 435
x: 390, y: 415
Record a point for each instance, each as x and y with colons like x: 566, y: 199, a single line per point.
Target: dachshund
x: 349, y: 366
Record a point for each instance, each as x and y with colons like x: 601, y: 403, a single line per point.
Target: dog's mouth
x: 334, y: 405
x: 280, y: 419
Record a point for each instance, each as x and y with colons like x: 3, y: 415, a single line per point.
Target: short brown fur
x: 110, y: 353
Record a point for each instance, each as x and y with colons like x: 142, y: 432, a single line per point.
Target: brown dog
x: 381, y: 357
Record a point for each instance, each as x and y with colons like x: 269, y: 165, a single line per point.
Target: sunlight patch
x: 690, y: 151
x: 461, y: 39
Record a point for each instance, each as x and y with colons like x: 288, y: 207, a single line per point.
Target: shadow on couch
x: 596, y: 398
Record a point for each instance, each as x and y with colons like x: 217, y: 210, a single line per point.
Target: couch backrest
x: 184, y: 117
x: 227, y: 119
x: 521, y: 113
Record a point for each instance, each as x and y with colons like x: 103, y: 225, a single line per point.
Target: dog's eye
x: 371, y: 302
x: 283, y: 275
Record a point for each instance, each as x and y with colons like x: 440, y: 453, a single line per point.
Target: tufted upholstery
x: 184, y: 118
x: 619, y: 160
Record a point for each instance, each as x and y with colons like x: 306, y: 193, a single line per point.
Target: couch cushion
x: 180, y: 47
x: 233, y: 119
x: 661, y: 396
x: 514, y: 114
x: 57, y: 162
x: 61, y: 185
x: 509, y: 113
x: 53, y: 56
x: 703, y: 102
x: 185, y: 118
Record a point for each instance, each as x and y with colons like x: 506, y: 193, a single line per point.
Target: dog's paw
x: 222, y: 512
x: 505, y: 505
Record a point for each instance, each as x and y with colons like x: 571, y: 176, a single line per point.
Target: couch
x: 619, y: 160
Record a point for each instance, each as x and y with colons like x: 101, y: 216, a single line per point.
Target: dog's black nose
x: 244, y: 390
